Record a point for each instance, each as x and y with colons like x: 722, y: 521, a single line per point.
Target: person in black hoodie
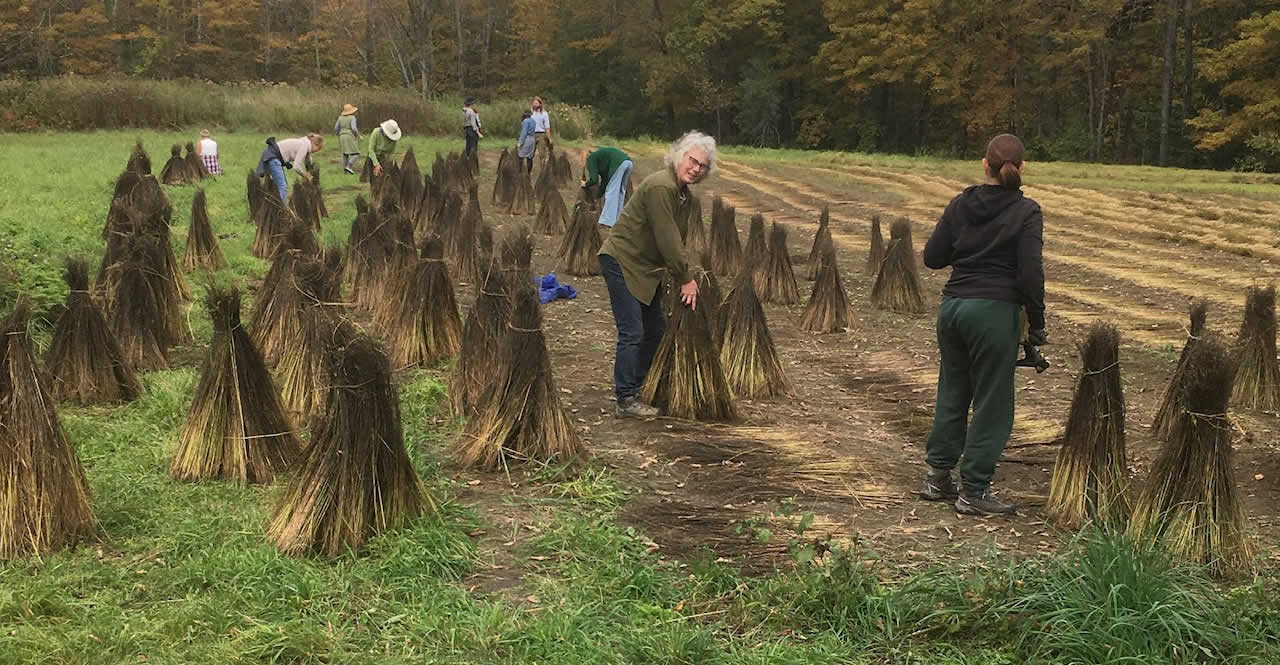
x: 991, y: 236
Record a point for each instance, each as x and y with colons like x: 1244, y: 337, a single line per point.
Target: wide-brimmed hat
x: 390, y: 129
x: 348, y: 109
x: 469, y: 101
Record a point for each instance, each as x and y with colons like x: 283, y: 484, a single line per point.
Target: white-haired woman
x: 647, y: 240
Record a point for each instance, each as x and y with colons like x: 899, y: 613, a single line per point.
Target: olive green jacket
x: 649, y: 235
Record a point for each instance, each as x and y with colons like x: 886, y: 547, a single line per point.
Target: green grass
x: 182, y: 573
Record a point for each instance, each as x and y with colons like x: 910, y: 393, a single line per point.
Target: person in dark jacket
x: 646, y: 244
x: 991, y: 236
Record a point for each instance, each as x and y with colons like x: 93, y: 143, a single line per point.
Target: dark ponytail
x: 1004, y: 159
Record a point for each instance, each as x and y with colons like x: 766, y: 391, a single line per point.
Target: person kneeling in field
x: 992, y: 236
x: 289, y: 153
x: 648, y: 240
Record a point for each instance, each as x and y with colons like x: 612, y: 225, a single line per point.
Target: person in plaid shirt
x: 207, y: 148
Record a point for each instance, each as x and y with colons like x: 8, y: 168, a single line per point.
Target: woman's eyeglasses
x: 702, y: 166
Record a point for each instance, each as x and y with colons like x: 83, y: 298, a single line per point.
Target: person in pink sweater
x: 288, y: 153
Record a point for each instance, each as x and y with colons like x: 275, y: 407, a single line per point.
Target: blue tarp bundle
x: 550, y: 289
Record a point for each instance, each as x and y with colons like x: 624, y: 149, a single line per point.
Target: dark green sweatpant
x: 979, y: 344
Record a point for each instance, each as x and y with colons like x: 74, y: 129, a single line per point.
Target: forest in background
x: 1191, y: 83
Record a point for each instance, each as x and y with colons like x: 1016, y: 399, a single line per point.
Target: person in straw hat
x: 207, y: 148
x: 382, y: 144
x: 348, y: 137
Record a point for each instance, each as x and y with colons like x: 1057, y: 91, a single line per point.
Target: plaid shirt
x: 211, y: 164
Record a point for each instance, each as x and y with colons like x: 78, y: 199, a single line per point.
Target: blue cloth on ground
x: 550, y: 288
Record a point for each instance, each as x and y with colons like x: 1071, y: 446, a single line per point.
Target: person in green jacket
x: 382, y: 144
x: 608, y: 171
x: 647, y: 241
x: 348, y: 137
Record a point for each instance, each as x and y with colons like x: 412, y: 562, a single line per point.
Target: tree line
x: 1177, y: 82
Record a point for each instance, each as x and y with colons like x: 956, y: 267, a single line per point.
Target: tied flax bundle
x: 255, y: 193
x: 85, y: 362
x: 139, y: 161
x: 140, y: 306
x: 747, y: 353
x: 1189, y: 504
x: 686, y: 379
x: 1257, y: 384
x: 828, y: 309
x: 821, y: 239
x: 1090, y: 481
x: 424, y: 329
x: 695, y: 237
x: 236, y: 429
x: 176, y: 171
x: 502, y: 181
x: 546, y: 181
x: 726, y: 251
x: 523, y: 419
x: 897, y: 286
x: 522, y: 201
x: 777, y: 279
x: 203, y: 252
x: 301, y: 361
x: 875, y: 255
x: 553, y: 216
x: 411, y: 188
x: 466, y: 255
x: 482, y: 336
x: 1171, y: 403
x: 356, y: 480
x: 563, y: 170
x: 756, y: 254
x: 44, y: 498
x: 579, y: 251
x: 195, y: 165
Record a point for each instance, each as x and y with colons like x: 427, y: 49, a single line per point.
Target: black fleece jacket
x: 992, y: 238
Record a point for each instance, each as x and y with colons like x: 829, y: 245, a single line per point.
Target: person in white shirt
x: 288, y: 153
x: 541, y: 130
x: 207, y: 148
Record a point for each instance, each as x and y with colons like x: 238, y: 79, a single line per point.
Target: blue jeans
x: 640, y: 329
x: 276, y: 169
x: 615, y: 193
x: 472, y: 140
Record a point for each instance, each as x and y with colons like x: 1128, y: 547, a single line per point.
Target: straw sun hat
x: 348, y: 109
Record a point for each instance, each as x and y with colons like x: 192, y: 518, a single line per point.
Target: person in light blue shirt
x: 526, y: 144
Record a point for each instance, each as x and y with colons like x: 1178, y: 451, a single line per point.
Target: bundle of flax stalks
x: 139, y: 308
x: 44, y: 498
x: 424, y: 328
x: 1171, y: 401
x: 821, y: 239
x: 356, y: 480
x: 578, y: 253
x: 466, y: 249
x: 203, y: 252
x: 300, y: 367
x: 195, y: 165
x: 366, y: 171
x: 1090, y: 481
x: 482, y: 336
x: 686, y: 379
x: 304, y: 201
x: 563, y: 170
x: 875, y: 255
x: 502, y: 191
x: 897, y: 286
x: 255, y: 193
x: 1257, y: 384
x: 84, y: 361
x: 756, y: 254
x: 522, y: 419
x: 274, y: 221
x: 777, y: 280
x: 176, y: 171
x: 747, y: 353
x: 410, y: 186
x: 1189, y: 504
x: 236, y: 428
x: 828, y: 309
x: 695, y: 236
x: 553, y: 216
x: 709, y: 297
x: 546, y: 181
x: 726, y: 250
x: 139, y: 161
x: 522, y: 201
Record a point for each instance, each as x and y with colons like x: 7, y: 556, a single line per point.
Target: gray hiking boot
x: 632, y: 407
x: 938, y: 486
x: 986, y: 503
